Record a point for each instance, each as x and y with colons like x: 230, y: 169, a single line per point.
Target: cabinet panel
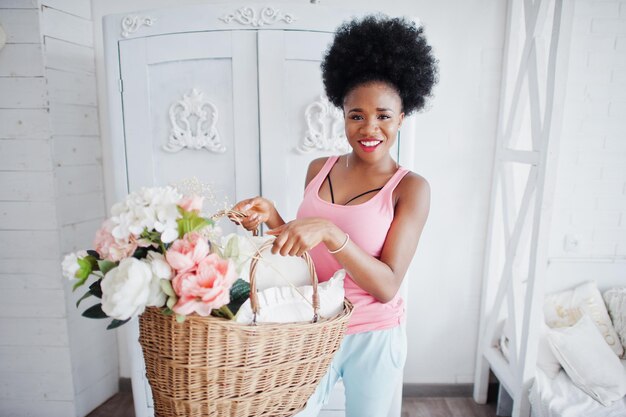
x: 289, y: 81
x: 179, y: 91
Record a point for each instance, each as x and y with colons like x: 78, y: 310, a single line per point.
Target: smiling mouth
x: 369, y: 145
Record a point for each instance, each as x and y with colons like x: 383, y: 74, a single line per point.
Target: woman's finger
x: 278, y: 243
x: 286, y: 247
x: 296, y: 250
x: 240, y: 206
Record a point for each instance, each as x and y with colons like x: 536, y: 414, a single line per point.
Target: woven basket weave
x: 208, y: 366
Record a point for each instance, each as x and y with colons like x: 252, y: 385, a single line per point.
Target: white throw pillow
x: 588, y: 361
x: 272, y: 270
x: 615, y: 300
x: 288, y: 305
x: 565, y: 308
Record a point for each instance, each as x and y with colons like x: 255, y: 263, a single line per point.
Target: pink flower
x: 191, y: 203
x: 206, y: 288
x: 186, y: 253
x: 108, y: 247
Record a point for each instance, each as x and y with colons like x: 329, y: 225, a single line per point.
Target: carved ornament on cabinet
x: 131, y: 23
x: 194, y: 120
x: 324, y: 128
x: 266, y: 16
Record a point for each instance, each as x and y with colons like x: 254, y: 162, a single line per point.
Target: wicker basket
x: 209, y: 366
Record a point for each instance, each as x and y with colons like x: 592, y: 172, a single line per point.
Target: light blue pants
x: 370, y: 364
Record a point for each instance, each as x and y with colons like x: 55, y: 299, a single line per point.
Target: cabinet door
x: 182, y: 85
x: 190, y: 110
x: 297, y: 123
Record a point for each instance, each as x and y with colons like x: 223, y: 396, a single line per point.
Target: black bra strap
x: 332, y: 195
x: 362, y: 194
x: 330, y: 185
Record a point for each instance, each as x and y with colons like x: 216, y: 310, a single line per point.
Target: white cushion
x: 565, y: 308
x: 589, y: 361
x: 615, y: 300
x: 290, y: 305
x: 272, y: 270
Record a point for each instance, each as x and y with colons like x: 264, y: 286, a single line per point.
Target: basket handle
x: 237, y: 217
x: 254, y: 300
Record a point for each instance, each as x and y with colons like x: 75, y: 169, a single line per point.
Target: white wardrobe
x: 229, y: 94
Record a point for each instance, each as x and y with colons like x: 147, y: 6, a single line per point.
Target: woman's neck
x: 385, y: 164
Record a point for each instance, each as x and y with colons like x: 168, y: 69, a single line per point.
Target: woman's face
x: 373, y: 114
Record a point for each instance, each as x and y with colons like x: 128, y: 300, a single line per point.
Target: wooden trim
x: 410, y: 390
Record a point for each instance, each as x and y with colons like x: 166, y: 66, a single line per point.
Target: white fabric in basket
x: 272, y: 270
x: 286, y: 305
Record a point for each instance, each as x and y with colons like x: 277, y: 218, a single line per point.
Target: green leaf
x: 171, y: 302
x: 93, y: 261
x: 86, y: 295
x: 85, y: 268
x: 95, y: 289
x: 115, y: 323
x: 239, y: 293
x: 232, y: 247
x: 106, y: 266
x: 95, y: 312
x: 180, y: 318
x: 78, y: 283
x: 191, y: 221
x: 140, y: 253
x: 166, y: 286
x: 167, y: 312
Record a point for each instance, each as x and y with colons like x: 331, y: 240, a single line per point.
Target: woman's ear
x: 401, y: 119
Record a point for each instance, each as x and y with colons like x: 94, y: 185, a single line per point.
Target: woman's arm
x: 379, y: 277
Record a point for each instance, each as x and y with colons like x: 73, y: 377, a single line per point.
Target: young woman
x: 361, y: 211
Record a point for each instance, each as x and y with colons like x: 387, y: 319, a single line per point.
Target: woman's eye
x: 356, y: 117
x: 384, y: 116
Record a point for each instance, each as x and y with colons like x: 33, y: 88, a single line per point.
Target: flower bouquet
x: 157, y: 250
x: 159, y: 258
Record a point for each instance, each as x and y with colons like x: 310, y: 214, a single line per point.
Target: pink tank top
x: 367, y: 224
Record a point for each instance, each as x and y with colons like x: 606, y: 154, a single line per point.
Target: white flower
x: 70, y: 264
x: 160, y: 267
x: 149, y: 208
x: 125, y: 289
x: 160, y: 270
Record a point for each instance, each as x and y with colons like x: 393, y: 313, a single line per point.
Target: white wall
x: 52, y: 361
x: 455, y: 152
x: 591, y: 183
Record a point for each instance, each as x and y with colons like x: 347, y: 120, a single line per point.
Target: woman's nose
x: 370, y: 127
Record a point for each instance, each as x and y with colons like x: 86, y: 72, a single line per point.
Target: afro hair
x: 380, y: 48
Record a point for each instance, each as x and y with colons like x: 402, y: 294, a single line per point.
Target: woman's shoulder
x: 412, y: 187
x: 315, y: 166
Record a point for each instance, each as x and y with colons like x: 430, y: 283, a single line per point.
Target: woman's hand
x: 258, y: 210
x: 298, y: 236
